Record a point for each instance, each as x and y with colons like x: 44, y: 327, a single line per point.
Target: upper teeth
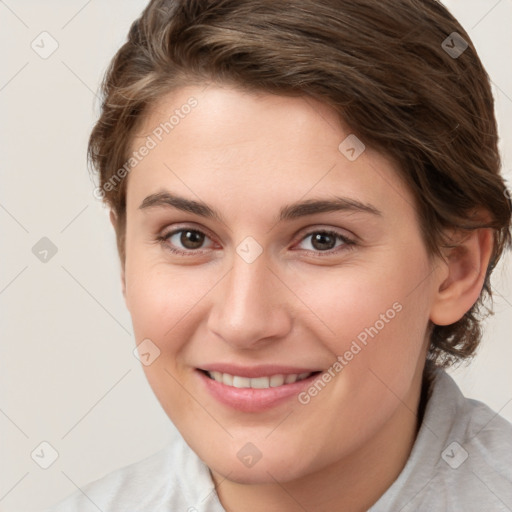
x: 257, y: 382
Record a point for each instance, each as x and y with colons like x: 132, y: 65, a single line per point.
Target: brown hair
x: 385, y: 66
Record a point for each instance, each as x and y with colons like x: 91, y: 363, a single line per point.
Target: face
x: 287, y: 336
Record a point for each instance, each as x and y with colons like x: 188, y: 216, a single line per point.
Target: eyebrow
x: 288, y: 212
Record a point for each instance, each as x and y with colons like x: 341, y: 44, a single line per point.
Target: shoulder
x: 478, y: 455
x: 474, y: 450
x: 481, y: 432
x: 172, y: 478
x: 474, y: 467
x: 461, y: 459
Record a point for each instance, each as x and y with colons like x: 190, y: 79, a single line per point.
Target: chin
x: 254, y: 476
x: 282, y: 468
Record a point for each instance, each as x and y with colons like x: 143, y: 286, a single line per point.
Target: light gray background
x: 68, y: 373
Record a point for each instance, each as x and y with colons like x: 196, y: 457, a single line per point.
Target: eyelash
x: 347, y: 242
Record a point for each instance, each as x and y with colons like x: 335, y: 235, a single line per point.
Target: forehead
x: 229, y: 144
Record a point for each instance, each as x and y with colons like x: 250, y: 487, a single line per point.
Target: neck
x: 352, y: 484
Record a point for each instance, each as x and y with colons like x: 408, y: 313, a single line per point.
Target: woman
x: 308, y: 208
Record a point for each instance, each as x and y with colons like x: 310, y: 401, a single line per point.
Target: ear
x: 466, y: 266
x: 113, y: 221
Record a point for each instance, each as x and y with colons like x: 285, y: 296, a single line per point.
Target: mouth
x: 257, y: 389
x: 263, y: 382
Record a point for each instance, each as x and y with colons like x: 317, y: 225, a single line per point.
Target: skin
x: 247, y: 155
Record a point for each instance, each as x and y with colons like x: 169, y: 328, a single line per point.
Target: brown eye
x: 324, y: 241
x: 185, y: 241
x: 191, y: 239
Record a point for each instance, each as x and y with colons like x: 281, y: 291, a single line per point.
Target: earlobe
x: 467, y: 264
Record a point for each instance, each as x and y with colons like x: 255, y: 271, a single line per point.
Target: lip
x: 249, y: 399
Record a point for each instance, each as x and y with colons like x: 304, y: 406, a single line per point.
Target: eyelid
x: 347, y: 241
x: 176, y: 228
x: 315, y: 228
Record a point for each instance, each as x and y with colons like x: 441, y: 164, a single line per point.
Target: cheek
x: 163, y: 305
x: 164, y: 301
x: 158, y: 299
x: 376, y: 316
x: 373, y: 321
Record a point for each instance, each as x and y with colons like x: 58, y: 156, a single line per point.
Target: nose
x: 250, y: 306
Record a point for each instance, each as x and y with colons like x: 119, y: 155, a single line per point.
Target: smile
x: 257, y: 389
x: 271, y: 381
